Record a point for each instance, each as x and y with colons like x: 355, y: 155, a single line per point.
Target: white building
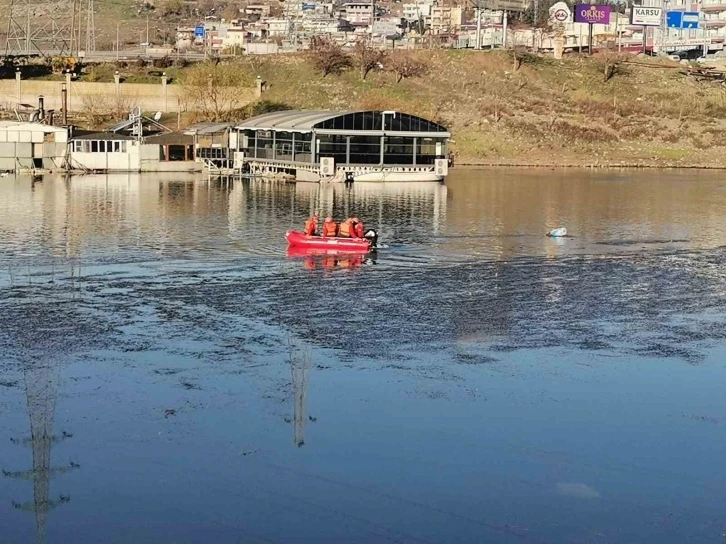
x: 28, y: 146
x: 112, y: 152
x: 413, y: 11
x: 278, y: 27
x: 258, y: 11
x: 315, y: 24
x: 234, y: 38
x: 357, y: 13
x: 445, y: 18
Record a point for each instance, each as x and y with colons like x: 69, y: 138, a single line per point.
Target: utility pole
x: 505, y: 23
x: 478, y: 28
x: 147, y: 30
x: 118, y: 33
x: 534, y: 26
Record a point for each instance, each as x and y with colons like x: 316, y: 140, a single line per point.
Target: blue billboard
x: 682, y: 19
x: 199, y: 31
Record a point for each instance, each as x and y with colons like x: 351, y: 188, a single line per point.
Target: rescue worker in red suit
x: 311, y: 226
x: 346, y: 229
x: 330, y: 228
x: 357, y: 228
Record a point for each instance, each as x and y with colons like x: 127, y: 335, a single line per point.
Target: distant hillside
x: 546, y: 112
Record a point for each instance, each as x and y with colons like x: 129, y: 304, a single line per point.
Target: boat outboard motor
x: 349, y: 177
x: 372, y: 236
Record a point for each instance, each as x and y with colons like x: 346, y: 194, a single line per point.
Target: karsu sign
x: 646, y: 16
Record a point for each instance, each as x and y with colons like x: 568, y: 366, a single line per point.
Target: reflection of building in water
x: 41, y: 386
x: 426, y: 202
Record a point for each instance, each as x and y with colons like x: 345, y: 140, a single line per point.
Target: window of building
x: 283, y: 146
x: 303, y: 147
x: 333, y: 146
x: 176, y: 152
x: 429, y: 149
x: 365, y: 149
x: 398, y: 150
x: 264, y: 144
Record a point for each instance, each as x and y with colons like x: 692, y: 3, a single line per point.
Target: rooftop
x: 352, y: 121
x: 108, y: 136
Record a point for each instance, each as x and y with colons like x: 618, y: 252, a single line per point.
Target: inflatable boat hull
x: 297, y: 239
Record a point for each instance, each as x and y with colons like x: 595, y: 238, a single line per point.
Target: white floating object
x: 559, y: 232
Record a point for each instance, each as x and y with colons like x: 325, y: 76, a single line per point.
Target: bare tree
x: 328, y: 56
x: 366, y: 58
x: 215, y: 90
x: 100, y: 106
x: 404, y: 65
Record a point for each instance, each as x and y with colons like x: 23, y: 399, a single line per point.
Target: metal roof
x: 292, y: 120
x: 209, y: 127
x: 170, y: 138
x: 306, y: 121
x: 101, y: 136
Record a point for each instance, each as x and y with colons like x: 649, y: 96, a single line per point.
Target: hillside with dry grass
x: 545, y: 112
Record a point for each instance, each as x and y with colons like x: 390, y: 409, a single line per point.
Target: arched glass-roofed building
x: 369, y: 145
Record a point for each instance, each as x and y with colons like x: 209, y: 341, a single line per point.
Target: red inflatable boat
x: 358, y: 245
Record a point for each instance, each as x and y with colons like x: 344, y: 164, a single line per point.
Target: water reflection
x: 550, y: 376
x: 300, y: 365
x: 41, y: 389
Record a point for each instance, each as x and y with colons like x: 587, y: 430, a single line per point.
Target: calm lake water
x: 169, y: 374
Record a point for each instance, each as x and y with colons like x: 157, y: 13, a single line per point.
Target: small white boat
x: 559, y: 232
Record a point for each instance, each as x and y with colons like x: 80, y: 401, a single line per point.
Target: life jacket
x: 346, y: 229
x: 359, y: 230
x: 310, y: 227
x: 330, y: 228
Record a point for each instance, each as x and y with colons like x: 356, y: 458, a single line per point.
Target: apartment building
x: 357, y: 13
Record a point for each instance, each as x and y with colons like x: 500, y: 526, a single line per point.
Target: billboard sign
x: 643, y: 16
x: 682, y: 19
x: 198, y: 31
x: 592, y: 14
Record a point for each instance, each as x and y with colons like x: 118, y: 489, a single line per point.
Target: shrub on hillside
x: 405, y: 65
x: 366, y: 57
x: 328, y: 56
x: 163, y: 62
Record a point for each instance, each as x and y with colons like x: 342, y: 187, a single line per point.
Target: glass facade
x: 283, y: 146
x: 428, y: 150
x: 303, y: 147
x: 263, y: 147
x: 398, y: 150
x: 353, y: 147
x: 373, y: 120
x: 365, y: 150
x: 333, y: 146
